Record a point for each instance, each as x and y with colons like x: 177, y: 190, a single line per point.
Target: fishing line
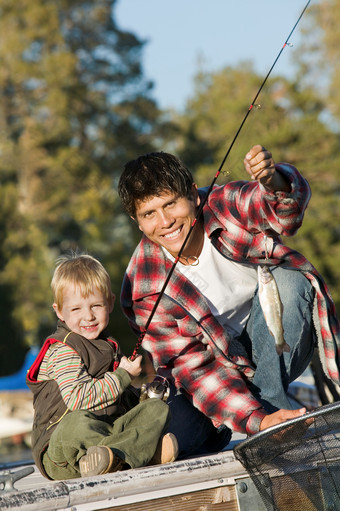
x: 203, y: 202
x: 234, y: 168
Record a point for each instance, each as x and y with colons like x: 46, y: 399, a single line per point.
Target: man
x: 208, y: 335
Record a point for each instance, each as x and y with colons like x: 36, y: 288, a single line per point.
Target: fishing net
x: 295, y: 466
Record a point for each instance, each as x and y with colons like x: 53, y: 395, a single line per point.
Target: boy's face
x: 85, y: 316
x: 167, y: 218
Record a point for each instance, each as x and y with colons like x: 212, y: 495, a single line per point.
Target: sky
x: 219, y: 33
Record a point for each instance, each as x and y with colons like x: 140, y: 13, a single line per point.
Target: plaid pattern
x: 186, y: 343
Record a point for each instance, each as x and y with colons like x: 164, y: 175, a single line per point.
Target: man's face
x: 167, y: 218
x: 85, y: 316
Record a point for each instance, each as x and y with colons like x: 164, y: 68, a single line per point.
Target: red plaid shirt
x: 186, y: 343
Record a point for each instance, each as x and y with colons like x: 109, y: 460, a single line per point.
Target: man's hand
x: 280, y: 416
x: 134, y: 368
x: 260, y: 165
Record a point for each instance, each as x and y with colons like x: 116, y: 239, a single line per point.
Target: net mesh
x: 295, y: 466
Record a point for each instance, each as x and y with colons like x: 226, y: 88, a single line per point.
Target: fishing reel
x: 158, y: 388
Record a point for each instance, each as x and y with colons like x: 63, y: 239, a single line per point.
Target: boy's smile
x: 87, y: 316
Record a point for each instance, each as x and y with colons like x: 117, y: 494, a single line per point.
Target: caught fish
x: 272, y: 307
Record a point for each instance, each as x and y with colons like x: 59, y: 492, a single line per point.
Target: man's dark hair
x: 151, y: 175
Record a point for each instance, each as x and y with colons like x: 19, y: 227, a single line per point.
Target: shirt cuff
x: 122, y: 376
x: 286, y: 170
x: 254, y: 421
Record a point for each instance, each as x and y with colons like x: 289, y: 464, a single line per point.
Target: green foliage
x: 290, y: 122
x: 319, y: 56
x: 74, y: 107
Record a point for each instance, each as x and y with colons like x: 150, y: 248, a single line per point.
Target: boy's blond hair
x: 83, y: 271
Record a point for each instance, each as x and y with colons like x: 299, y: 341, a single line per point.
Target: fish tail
x: 280, y: 348
x: 286, y: 347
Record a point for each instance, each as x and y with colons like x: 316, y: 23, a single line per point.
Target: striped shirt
x: 78, y: 388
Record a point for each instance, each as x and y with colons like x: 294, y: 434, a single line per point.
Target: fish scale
x: 272, y: 307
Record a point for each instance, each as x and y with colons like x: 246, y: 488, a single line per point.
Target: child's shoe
x: 99, y: 459
x: 167, y: 450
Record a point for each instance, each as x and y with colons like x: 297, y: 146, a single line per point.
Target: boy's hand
x: 134, y: 368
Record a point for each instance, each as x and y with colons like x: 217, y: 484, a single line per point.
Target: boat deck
x: 213, y: 482
x: 205, y: 483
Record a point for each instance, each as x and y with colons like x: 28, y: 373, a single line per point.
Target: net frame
x: 295, y: 465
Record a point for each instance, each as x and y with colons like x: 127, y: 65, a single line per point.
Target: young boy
x: 88, y: 419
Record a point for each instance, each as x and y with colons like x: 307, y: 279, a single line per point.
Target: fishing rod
x: 203, y: 202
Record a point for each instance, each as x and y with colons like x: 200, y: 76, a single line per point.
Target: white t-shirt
x: 228, y: 286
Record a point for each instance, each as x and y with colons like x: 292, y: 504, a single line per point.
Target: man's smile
x: 172, y: 234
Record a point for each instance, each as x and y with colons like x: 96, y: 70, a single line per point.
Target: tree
x: 318, y: 67
x: 291, y: 124
x: 318, y: 58
x: 74, y: 106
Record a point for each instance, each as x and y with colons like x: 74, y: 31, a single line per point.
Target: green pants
x: 133, y: 437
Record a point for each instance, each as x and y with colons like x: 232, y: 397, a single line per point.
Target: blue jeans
x: 194, y: 431
x: 273, y: 373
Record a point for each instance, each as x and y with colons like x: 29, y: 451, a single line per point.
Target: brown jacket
x: 49, y: 406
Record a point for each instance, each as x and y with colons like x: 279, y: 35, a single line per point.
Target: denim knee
x: 293, y: 283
